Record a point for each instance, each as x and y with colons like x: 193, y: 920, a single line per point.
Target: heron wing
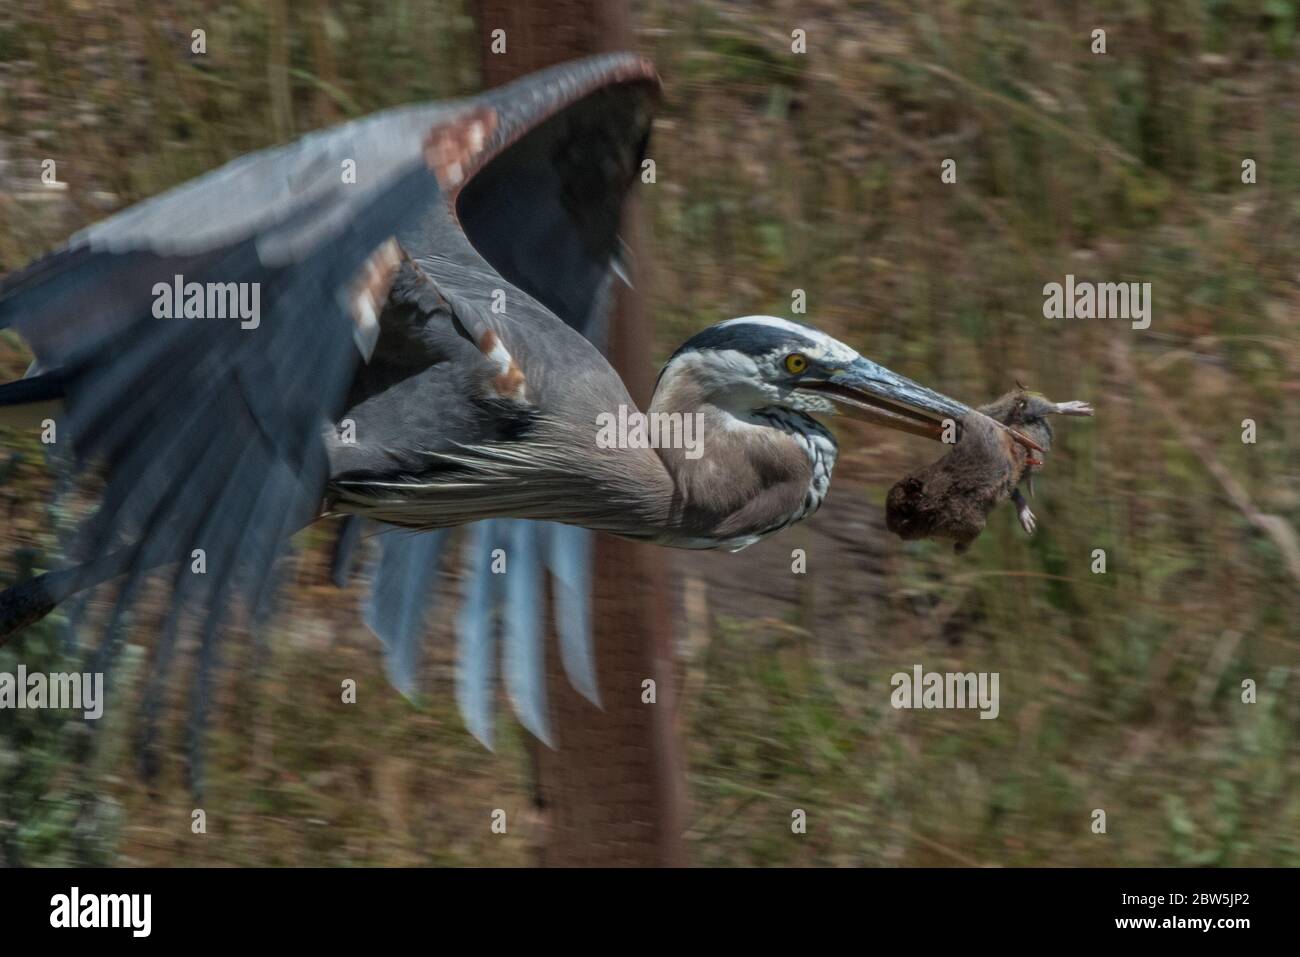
x: 209, y: 433
x: 544, y: 218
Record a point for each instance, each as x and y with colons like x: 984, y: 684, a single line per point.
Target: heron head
x: 762, y: 361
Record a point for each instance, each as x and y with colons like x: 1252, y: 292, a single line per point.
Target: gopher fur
x: 951, y: 499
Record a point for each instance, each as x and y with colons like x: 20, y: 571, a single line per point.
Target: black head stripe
x: 750, y: 338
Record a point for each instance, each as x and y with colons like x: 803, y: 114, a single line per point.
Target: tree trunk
x: 612, y: 793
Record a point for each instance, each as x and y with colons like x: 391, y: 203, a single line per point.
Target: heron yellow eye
x: 796, y: 362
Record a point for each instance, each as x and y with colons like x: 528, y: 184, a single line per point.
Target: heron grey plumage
x: 767, y: 463
x: 426, y: 358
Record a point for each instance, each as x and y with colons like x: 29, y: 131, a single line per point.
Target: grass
x: 819, y: 172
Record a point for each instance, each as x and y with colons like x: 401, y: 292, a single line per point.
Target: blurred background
x: 779, y: 171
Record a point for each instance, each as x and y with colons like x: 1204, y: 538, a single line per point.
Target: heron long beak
x: 874, y: 394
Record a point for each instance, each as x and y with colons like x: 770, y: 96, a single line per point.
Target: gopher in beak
x: 952, y: 498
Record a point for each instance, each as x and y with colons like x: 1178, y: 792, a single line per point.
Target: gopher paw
x: 1027, y: 520
x: 1074, y: 407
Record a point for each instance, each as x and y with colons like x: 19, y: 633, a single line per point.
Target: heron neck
x: 735, y: 476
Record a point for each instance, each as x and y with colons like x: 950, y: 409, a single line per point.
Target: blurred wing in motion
x: 199, y: 344
x: 210, y: 434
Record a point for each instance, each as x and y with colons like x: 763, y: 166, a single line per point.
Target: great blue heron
x: 394, y: 319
